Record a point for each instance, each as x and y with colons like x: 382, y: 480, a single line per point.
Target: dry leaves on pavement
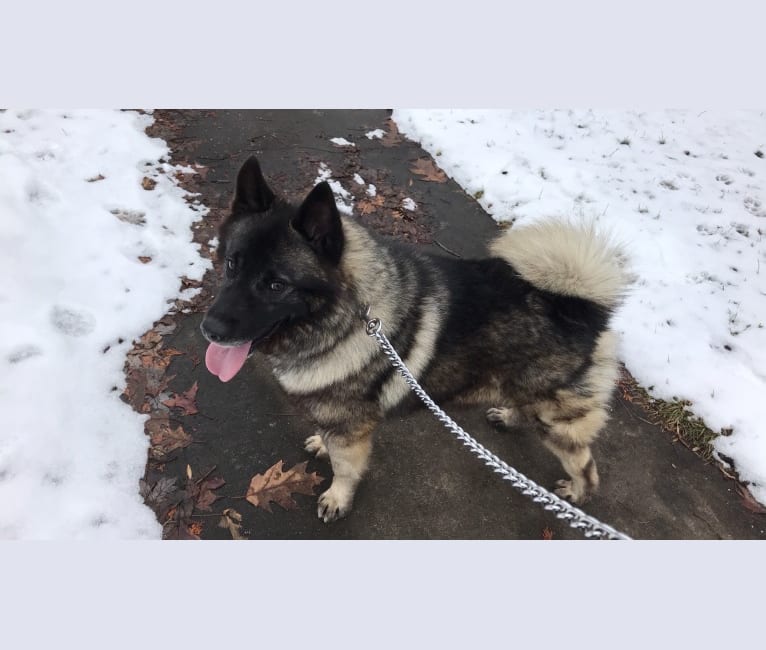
x: 186, y: 401
x: 277, y: 484
x: 165, y: 438
x: 162, y: 496
x: 392, y: 137
x: 232, y: 520
x: 428, y: 171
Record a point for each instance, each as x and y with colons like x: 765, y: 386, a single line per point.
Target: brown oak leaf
x: 366, y: 206
x: 205, y: 496
x: 186, y: 401
x: 392, y: 137
x: 164, y: 439
x: 277, y: 484
x: 148, y: 183
x: 428, y: 171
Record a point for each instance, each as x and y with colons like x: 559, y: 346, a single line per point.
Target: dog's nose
x: 214, y: 328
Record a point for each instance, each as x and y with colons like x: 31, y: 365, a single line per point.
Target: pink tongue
x: 225, y: 361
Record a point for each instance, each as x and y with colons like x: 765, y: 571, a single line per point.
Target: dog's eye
x: 231, y: 266
x: 276, y: 286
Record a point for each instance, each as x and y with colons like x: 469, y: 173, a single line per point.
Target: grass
x: 673, y: 416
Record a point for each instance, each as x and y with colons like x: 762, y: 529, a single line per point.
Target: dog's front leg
x: 349, y: 454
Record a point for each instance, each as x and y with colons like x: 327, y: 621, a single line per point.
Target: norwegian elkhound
x: 526, y: 330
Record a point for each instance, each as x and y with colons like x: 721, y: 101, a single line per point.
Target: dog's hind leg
x: 349, y: 456
x: 569, y: 437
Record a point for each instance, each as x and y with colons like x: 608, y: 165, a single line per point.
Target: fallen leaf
x: 748, y: 500
x: 160, y: 496
x: 277, y: 484
x: 185, y: 401
x: 156, y: 381
x: 148, y: 183
x: 178, y: 524
x: 96, y: 178
x: 392, y: 137
x: 547, y: 534
x: 233, y: 521
x: 205, y: 496
x: 428, y: 171
x: 366, y: 206
x: 144, y: 259
x: 164, y: 439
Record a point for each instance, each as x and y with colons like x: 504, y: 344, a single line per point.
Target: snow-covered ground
x: 90, y: 255
x: 88, y: 260
x: 685, y: 191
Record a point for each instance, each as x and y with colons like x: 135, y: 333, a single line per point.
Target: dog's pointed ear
x: 318, y: 221
x: 252, y: 193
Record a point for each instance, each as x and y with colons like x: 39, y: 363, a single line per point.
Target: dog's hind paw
x: 501, y: 417
x: 334, y: 504
x: 315, y: 446
x: 566, y: 491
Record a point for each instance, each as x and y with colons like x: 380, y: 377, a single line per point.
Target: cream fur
x: 566, y: 258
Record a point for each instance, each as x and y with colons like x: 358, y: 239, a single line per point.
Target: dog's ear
x: 318, y: 221
x: 252, y: 193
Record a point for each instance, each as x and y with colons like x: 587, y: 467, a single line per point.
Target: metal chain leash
x: 576, y: 518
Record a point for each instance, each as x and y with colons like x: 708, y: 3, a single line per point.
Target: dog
x: 525, y: 330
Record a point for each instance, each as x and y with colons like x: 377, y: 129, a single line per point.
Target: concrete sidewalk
x: 422, y: 483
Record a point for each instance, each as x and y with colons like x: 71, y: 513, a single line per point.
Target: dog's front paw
x: 315, y: 445
x: 335, y: 503
x: 566, y: 490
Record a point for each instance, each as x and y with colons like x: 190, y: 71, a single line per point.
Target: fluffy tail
x: 566, y: 258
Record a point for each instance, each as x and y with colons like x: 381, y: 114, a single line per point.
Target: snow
x: 343, y: 198
x: 342, y: 142
x: 409, y: 204
x: 684, y: 192
x: 375, y: 134
x: 371, y: 190
x: 358, y: 179
x: 75, y: 219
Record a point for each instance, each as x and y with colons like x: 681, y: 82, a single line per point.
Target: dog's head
x: 279, y: 268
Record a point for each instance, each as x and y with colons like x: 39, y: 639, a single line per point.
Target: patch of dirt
x: 686, y: 428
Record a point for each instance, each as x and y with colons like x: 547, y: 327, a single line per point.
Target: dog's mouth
x: 225, y: 361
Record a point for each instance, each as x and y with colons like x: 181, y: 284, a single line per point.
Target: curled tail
x: 568, y: 259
